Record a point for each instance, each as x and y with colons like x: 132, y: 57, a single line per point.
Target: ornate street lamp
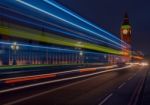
x: 81, y: 53
x: 15, y: 48
x: 81, y: 56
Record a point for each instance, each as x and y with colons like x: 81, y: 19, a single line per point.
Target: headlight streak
x: 59, y: 6
x: 68, y: 22
x: 144, y: 64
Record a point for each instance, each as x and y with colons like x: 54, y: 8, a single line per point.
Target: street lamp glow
x: 81, y: 53
x: 14, y: 46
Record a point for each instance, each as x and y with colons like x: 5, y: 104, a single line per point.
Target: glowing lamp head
x: 81, y: 53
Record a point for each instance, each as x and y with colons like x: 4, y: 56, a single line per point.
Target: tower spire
x: 126, y: 19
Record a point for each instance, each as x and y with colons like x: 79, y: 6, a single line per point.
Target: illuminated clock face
x: 125, y: 31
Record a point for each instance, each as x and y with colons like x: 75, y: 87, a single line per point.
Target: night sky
x: 109, y: 14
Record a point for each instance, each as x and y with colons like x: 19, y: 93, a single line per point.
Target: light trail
x: 59, y: 6
x: 50, y: 75
x: 48, y: 48
x: 60, y: 80
x: 57, y: 40
x: 137, y: 57
x: 66, y: 21
x: 74, y: 33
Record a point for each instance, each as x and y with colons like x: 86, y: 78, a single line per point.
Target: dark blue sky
x: 108, y: 14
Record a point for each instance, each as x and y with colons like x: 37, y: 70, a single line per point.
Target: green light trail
x: 53, y: 39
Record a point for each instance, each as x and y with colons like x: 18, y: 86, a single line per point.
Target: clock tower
x: 125, y: 32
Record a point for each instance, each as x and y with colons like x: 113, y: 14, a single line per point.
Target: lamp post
x: 14, y: 48
x: 81, y: 53
x: 105, y: 58
x: 81, y: 56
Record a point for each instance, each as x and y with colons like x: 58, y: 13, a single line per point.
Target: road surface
x: 122, y: 87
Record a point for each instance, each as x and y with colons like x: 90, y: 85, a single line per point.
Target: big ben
x: 125, y: 32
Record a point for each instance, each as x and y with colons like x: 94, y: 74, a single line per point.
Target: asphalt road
x: 145, y: 94
x: 113, y: 88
